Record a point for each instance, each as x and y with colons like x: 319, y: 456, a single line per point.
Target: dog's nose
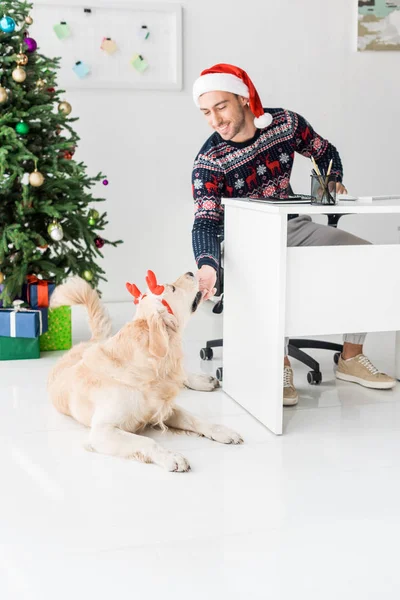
x: 190, y: 274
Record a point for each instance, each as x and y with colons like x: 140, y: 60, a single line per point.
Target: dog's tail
x: 78, y: 291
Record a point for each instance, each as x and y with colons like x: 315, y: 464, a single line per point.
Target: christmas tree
x: 48, y: 225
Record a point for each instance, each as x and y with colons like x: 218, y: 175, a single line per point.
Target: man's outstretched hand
x: 207, y: 276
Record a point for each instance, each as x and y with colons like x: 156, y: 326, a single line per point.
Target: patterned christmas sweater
x: 259, y: 167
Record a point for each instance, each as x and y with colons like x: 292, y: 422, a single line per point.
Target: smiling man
x: 251, y: 154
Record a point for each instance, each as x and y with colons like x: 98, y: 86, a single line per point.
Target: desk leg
x: 397, y: 356
x: 254, y: 312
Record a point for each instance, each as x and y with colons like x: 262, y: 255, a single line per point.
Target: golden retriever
x: 117, y: 385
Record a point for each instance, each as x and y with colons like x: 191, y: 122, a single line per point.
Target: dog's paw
x: 220, y: 433
x: 172, y: 461
x: 201, y: 383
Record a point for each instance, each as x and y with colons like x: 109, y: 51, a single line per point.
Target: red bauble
x: 99, y: 242
x: 51, y: 90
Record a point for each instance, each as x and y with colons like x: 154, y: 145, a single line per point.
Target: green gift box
x: 59, y: 334
x: 19, y: 348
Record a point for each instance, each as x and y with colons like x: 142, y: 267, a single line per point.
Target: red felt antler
x: 151, y: 281
x: 134, y: 290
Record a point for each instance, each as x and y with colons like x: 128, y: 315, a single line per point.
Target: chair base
x: 314, y: 377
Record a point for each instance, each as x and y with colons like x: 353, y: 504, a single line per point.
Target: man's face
x: 224, y: 112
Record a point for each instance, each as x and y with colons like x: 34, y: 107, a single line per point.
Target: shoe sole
x: 291, y: 401
x: 365, y: 383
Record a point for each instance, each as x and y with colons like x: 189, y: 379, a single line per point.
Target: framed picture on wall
x: 107, y: 45
x: 378, y: 25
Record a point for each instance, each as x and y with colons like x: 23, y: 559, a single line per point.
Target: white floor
x: 314, y: 514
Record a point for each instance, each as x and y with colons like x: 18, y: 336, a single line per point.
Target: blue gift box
x: 37, y: 293
x: 23, y: 322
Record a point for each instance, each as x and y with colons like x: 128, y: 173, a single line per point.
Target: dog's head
x: 166, y: 308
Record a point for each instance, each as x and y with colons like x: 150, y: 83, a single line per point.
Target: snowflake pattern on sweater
x: 257, y: 168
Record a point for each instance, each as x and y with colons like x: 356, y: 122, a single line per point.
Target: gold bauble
x: 19, y: 75
x: 1, y: 277
x: 40, y: 84
x: 3, y: 95
x: 36, y: 178
x: 22, y: 59
x: 64, y: 107
x: 28, y: 20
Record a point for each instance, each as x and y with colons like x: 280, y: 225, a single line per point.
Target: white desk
x: 272, y: 291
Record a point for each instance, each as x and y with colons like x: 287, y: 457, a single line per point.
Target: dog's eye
x: 173, y: 288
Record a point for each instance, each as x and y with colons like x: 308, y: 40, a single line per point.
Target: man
x: 251, y: 153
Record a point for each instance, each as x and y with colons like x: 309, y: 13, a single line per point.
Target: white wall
x: 301, y: 55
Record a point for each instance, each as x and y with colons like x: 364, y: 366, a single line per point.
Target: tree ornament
x: 25, y: 179
x: 36, y: 178
x: 88, y: 275
x: 64, y: 107
x: 31, y: 44
x: 7, y: 24
x: 40, y: 84
x: 22, y: 59
x: 91, y: 221
x: 55, y: 231
x: 105, y: 181
x: 51, y: 90
x: 19, y: 74
x: 22, y: 128
x: 28, y: 20
x: 99, y: 242
x: 93, y: 214
x: 1, y: 277
x: 3, y: 95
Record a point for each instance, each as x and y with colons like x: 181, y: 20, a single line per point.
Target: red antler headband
x: 155, y: 290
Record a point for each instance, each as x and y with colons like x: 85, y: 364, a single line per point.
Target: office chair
x: 314, y: 377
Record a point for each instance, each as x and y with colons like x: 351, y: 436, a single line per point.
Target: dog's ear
x: 158, y: 336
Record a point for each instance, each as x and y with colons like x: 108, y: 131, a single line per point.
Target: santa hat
x: 228, y: 78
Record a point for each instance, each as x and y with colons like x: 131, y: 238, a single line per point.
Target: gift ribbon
x: 13, y: 317
x: 42, y: 290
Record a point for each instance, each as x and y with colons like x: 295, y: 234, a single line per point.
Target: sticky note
x: 108, y: 45
x: 62, y: 30
x: 81, y: 69
x: 139, y: 63
x: 143, y: 32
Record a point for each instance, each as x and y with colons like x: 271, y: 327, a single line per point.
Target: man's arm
x: 310, y: 143
x: 207, y: 185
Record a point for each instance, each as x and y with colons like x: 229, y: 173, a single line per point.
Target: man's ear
x: 158, y: 336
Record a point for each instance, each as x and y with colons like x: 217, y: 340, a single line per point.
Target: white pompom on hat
x: 228, y: 78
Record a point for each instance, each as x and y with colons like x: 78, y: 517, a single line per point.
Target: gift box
x: 36, y: 292
x: 23, y: 322
x: 59, y: 334
x: 19, y: 348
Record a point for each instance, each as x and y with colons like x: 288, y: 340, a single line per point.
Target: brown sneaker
x: 360, y: 370
x: 290, y: 395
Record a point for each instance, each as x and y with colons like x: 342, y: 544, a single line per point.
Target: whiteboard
x: 123, y: 23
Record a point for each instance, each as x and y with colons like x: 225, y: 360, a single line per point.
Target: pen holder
x: 323, y: 189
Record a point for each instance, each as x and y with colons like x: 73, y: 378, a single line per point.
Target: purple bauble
x: 31, y: 44
x: 99, y: 242
x: 105, y: 181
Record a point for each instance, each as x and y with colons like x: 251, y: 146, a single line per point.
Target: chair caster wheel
x: 336, y: 358
x: 206, y: 353
x: 218, y: 374
x: 314, y: 377
x: 218, y: 308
